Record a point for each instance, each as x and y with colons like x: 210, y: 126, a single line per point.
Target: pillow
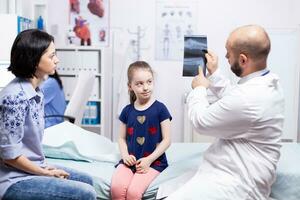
x: 68, y: 141
x: 68, y: 151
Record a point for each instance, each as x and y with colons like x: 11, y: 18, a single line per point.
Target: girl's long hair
x: 130, y: 72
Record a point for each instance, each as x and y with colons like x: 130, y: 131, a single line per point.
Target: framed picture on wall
x: 174, y: 20
x: 88, y: 22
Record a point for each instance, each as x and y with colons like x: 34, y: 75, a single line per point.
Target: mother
x: 24, y: 174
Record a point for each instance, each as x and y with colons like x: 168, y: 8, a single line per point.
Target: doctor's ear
x: 243, y: 59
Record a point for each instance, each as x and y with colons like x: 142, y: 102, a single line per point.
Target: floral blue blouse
x: 21, y: 129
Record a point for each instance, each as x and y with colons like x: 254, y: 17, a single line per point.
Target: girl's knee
x: 134, y: 193
x: 118, y: 191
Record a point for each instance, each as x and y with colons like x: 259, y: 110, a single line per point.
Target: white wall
x: 216, y: 20
x: 3, y: 6
x: 58, y: 20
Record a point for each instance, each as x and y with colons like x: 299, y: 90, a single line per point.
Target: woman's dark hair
x: 57, y: 78
x: 132, y: 67
x: 26, y: 52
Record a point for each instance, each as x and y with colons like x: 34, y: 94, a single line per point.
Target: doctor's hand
x: 212, y: 62
x: 200, y: 80
x: 142, y: 165
x: 129, y: 160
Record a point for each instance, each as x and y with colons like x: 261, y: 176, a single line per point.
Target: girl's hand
x: 129, y: 160
x: 142, y: 165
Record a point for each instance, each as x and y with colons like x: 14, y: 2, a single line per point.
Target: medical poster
x: 195, y: 48
x: 174, y: 20
x: 88, y: 22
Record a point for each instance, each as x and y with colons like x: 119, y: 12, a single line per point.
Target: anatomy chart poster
x: 174, y: 20
x: 89, y: 22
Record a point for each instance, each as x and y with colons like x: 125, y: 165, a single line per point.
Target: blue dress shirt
x: 55, y: 102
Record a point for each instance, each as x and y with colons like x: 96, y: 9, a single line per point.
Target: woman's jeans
x: 78, y: 186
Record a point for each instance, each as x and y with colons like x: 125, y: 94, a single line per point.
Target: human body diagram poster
x: 89, y: 22
x: 174, y: 20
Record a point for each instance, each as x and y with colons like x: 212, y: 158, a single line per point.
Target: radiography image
x: 195, y: 48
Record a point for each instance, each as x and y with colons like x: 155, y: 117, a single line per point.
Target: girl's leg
x: 120, y: 182
x: 49, y: 188
x: 140, y: 183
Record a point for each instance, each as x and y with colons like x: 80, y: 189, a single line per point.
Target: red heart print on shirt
x: 152, y: 130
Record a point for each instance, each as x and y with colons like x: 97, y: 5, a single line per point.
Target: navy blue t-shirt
x: 143, y: 131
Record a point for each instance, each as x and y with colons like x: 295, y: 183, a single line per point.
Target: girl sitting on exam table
x: 144, y: 136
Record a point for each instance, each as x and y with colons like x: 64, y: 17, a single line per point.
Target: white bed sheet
x: 71, y: 146
x: 185, y: 157
x: 287, y: 184
x: 181, y: 157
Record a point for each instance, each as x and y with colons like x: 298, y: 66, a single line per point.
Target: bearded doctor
x: 247, y: 121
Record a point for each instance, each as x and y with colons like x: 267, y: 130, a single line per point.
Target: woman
x: 24, y: 174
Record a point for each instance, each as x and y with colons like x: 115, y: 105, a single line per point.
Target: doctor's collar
x: 253, y: 75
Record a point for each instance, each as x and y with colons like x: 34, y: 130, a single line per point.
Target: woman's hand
x: 26, y: 165
x: 129, y: 160
x: 59, y: 173
x: 49, y: 167
x: 142, y: 165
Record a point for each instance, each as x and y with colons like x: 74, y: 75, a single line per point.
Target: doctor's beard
x: 236, y: 69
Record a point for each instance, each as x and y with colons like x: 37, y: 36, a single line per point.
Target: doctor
x: 247, y: 122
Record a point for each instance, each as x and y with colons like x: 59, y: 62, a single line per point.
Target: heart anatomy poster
x: 89, y: 22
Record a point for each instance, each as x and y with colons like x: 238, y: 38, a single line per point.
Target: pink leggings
x: 128, y: 185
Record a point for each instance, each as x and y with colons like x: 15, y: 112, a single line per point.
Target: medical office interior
x: 121, y: 32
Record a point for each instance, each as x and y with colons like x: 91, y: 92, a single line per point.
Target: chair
x: 77, y: 104
x: 80, y: 96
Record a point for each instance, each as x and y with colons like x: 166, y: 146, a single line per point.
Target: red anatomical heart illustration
x: 96, y: 7
x: 82, y: 31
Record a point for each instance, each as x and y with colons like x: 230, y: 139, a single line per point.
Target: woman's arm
x: 24, y: 164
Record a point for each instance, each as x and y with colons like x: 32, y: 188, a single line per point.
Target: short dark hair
x: 26, y: 52
x: 253, y: 49
x: 255, y: 43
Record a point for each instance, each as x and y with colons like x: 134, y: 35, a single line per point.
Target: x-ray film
x: 195, y: 48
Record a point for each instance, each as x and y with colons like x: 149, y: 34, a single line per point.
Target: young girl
x: 144, y: 136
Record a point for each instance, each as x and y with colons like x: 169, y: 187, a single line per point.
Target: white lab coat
x: 247, y: 121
